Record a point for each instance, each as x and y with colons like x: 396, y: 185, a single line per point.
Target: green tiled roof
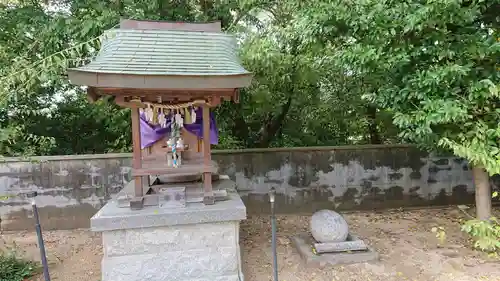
x: 166, y: 52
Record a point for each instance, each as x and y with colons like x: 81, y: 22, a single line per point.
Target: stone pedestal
x: 194, y: 243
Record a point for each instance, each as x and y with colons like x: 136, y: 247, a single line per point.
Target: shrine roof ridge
x: 161, y: 52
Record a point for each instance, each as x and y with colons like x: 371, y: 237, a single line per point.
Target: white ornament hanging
x: 179, y: 120
x: 149, y: 113
x: 193, y: 115
x: 162, y: 120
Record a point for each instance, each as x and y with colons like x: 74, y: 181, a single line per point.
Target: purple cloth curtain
x: 152, y: 133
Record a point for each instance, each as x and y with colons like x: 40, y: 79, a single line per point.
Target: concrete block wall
x: 73, y: 187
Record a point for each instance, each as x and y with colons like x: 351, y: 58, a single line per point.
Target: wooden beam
x: 157, y: 92
x: 183, y: 170
x: 136, y: 146
x: 208, y: 198
x: 236, y: 96
x: 214, y: 101
x: 126, y: 102
x: 121, y: 101
x: 123, y: 96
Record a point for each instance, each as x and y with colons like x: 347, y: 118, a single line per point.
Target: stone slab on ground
x: 337, y: 247
x: 303, y: 243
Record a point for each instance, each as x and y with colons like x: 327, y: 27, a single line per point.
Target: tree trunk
x: 483, y: 193
x: 272, y: 126
x: 163, y: 9
x: 120, y: 7
x: 371, y: 112
x: 208, y: 9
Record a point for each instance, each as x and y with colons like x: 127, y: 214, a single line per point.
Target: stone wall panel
x: 169, y: 239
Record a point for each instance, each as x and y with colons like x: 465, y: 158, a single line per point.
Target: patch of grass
x: 13, y: 268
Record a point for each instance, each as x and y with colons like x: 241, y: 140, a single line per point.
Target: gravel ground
x: 409, y: 251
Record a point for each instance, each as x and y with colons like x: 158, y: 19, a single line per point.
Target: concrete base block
x: 198, y: 264
x: 304, y: 245
x: 193, y: 243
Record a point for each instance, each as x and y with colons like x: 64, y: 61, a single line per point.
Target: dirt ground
x: 408, y: 249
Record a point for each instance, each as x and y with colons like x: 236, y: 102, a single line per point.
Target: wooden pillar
x: 137, y: 154
x: 483, y: 193
x: 208, y: 197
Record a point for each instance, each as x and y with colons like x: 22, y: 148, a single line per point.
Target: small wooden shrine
x: 169, y: 75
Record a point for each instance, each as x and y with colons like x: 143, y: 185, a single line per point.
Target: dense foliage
x: 434, y: 64
x: 293, y: 102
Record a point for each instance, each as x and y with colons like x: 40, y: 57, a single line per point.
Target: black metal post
x: 41, y: 244
x: 272, y: 196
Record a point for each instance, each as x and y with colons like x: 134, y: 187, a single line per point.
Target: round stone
x: 328, y: 226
